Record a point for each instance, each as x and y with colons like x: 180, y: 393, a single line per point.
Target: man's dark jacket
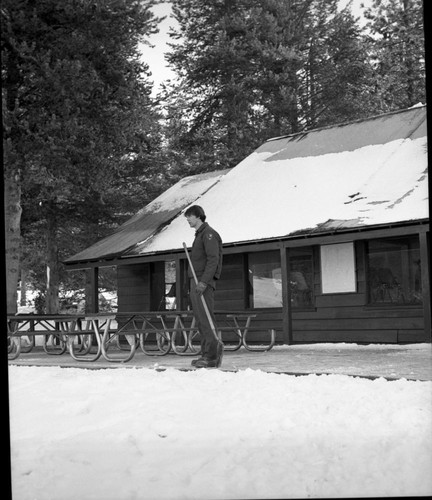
x: 206, y: 255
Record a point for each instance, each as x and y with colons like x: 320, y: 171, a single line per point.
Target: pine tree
x: 78, y: 109
x: 336, y: 75
x: 211, y: 65
x: 254, y: 69
x: 397, y: 49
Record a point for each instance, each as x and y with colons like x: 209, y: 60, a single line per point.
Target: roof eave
x: 308, y: 234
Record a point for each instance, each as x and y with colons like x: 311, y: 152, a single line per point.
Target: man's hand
x: 200, y: 288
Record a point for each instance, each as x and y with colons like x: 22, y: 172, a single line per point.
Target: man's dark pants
x: 208, y: 342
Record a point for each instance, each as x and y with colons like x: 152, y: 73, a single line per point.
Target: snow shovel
x: 206, y: 309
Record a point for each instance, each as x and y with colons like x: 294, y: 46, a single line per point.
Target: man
x: 206, y: 258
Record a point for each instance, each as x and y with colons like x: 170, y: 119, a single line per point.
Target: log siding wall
x: 133, y: 292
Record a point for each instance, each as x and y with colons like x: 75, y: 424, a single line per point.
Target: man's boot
x: 206, y: 363
x: 195, y: 361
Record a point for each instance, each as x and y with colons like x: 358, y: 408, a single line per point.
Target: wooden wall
x: 343, y: 317
x: 346, y: 317
x: 133, y: 287
x: 230, y: 288
x: 140, y: 286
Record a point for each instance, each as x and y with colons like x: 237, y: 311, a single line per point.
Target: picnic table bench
x: 156, y: 332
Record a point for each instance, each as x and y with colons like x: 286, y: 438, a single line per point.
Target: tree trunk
x: 23, y: 288
x: 409, y: 56
x: 12, y: 189
x: 12, y: 208
x: 293, y: 113
x: 52, y: 287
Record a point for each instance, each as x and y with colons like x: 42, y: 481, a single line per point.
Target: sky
x: 154, y: 57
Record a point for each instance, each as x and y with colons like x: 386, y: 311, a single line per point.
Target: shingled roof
x: 355, y: 175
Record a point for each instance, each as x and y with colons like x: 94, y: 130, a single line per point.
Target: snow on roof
x: 148, y: 220
x: 352, y: 175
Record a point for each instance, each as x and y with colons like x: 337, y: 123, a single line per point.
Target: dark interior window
x: 394, y: 271
x: 301, y: 277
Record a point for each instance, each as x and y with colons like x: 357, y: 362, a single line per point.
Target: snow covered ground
x: 134, y: 433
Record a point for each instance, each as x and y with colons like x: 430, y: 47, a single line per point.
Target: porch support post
x: 92, y: 290
x: 180, y: 284
x: 425, y: 278
x: 286, y: 296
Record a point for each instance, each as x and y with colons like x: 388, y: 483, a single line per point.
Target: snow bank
x: 142, y: 434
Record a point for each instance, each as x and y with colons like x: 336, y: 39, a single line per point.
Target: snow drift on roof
x: 155, y: 215
x: 354, y: 175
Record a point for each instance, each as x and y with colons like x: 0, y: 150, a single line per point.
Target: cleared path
x: 412, y: 362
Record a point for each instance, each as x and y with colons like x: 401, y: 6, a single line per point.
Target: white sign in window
x: 338, y: 268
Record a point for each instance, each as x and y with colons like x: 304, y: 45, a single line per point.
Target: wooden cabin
x: 325, y: 235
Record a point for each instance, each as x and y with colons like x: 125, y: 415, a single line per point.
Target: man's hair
x: 197, y: 211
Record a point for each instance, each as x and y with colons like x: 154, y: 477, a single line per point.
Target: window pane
x: 301, y: 277
x: 265, y: 279
x: 170, y: 285
x: 394, y: 271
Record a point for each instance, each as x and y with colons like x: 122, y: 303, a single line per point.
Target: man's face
x: 193, y: 221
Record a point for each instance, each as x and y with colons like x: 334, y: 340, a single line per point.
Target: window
x: 169, y: 299
x: 265, y: 279
x: 394, y: 275
x: 301, y: 277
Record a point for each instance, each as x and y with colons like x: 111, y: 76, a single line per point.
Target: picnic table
x: 59, y: 332
x: 156, y: 333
